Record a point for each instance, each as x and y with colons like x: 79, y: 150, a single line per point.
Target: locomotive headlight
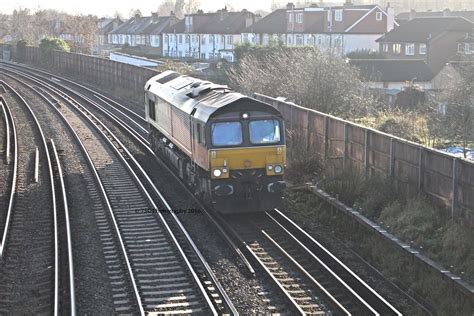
x: 245, y: 116
x: 217, y: 173
x: 278, y: 169
x: 270, y: 167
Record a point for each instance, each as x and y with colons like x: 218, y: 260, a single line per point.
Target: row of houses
x: 338, y: 29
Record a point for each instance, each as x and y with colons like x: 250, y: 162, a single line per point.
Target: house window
x: 338, y: 15
x: 299, y: 40
x: 422, y: 49
x: 299, y: 18
x: 409, y: 49
x: 385, y: 48
x: 378, y: 16
x: 230, y: 40
x: 289, y: 40
x: 203, y: 55
x: 203, y: 40
x: 290, y: 17
x: 397, y: 48
x: 186, y: 40
x: 265, y: 39
x: 467, y: 49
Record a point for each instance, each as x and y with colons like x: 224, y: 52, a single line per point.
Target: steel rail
x: 307, y: 274
x: 102, y: 191
x: 335, y: 262
x: 53, y: 194
x: 9, y: 117
x: 99, y: 126
x: 62, y: 185
x: 145, y: 144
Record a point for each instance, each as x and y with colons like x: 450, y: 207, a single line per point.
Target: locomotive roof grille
x: 169, y: 77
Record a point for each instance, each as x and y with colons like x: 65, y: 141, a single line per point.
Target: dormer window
x: 378, y: 16
x: 290, y: 17
x: 338, y: 15
x: 299, y: 18
x: 422, y: 49
x: 409, y: 49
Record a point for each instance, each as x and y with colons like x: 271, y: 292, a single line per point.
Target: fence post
x: 392, y: 157
x: 421, y: 169
x: 308, y: 134
x: 346, y: 144
x: 454, y: 200
x: 326, y: 138
x: 366, y: 152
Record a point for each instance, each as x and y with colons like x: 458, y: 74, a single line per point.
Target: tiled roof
x: 393, y: 70
x: 421, y: 29
x: 465, y: 14
x: 214, y: 23
x: 143, y: 25
x: 274, y: 22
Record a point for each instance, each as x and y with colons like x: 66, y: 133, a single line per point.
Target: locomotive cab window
x: 264, y: 132
x: 151, y: 110
x: 226, y: 134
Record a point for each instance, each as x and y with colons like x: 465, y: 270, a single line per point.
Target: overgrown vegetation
x: 411, y: 217
x: 50, y: 44
x: 417, y: 223
x: 310, y: 78
x: 304, y: 75
x: 365, y: 54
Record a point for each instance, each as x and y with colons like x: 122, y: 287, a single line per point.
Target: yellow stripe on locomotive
x: 270, y: 158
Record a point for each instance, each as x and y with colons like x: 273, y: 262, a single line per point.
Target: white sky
x: 101, y: 8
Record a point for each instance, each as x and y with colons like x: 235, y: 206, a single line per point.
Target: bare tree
x: 20, y: 26
x: 166, y: 7
x: 303, y: 75
x: 453, y: 118
x: 179, y: 8
x: 191, y: 6
x: 83, y: 32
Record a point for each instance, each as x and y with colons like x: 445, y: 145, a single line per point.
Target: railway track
x: 311, y: 278
x: 65, y: 296
x: 161, y: 282
x: 10, y: 158
x: 35, y: 227
x: 120, y: 116
x: 339, y: 291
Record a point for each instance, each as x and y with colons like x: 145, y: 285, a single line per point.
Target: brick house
x: 466, y: 46
x: 338, y: 29
x: 434, y: 40
x: 142, y: 31
x: 207, y: 36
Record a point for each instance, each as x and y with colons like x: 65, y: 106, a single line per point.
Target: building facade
x: 206, y: 36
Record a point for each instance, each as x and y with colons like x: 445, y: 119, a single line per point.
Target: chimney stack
x: 290, y: 6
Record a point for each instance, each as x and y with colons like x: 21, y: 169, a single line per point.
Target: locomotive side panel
x: 181, y: 129
x: 200, y: 154
x: 163, y: 115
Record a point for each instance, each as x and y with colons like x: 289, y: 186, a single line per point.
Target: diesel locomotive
x: 227, y: 147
